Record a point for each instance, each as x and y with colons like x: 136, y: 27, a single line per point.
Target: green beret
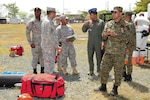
x: 128, y: 13
x: 118, y: 8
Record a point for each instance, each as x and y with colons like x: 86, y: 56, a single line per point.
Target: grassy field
x: 77, y: 87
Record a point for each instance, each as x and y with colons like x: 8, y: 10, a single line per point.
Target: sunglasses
x: 113, y: 12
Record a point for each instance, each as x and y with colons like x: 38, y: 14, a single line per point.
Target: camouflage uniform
x: 94, y: 29
x: 131, y: 47
x: 114, y: 51
x: 34, y: 25
x: 49, y: 44
x: 68, y: 49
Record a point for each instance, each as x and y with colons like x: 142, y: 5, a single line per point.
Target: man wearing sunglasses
x: 116, y: 34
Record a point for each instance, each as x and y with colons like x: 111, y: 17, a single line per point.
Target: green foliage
x: 83, y: 14
x: 22, y: 15
x: 141, y: 6
x: 12, y: 9
x: 105, y: 15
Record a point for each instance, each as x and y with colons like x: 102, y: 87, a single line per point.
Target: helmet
x: 24, y: 96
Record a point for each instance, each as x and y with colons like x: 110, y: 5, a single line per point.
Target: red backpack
x: 43, y: 85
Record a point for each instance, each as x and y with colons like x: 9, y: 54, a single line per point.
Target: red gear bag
x: 43, y: 85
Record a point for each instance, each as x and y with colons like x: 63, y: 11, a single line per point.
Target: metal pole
x: 63, y: 7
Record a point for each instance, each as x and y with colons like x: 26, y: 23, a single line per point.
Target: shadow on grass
x: 59, y: 98
x: 139, y: 87
x: 118, y: 97
x: 69, y: 77
x: 96, y: 78
x: 145, y: 66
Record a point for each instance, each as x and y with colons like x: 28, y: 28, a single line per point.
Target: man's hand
x: 110, y: 32
x: 32, y: 46
x: 59, y: 50
x: 127, y: 52
x: 68, y: 40
x: 103, y: 45
x: 86, y: 23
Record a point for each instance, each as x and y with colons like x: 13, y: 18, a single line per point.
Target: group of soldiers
x: 47, y: 39
x: 117, y: 37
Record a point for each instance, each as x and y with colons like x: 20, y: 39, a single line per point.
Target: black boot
x: 102, y: 88
x: 35, y: 71
x: 42, y: 69
x: 114, y: 91
x: 124, y: 74
x: 91, y: 73
x: 128, y: 77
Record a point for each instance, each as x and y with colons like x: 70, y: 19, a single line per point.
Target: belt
x: 138, y: 31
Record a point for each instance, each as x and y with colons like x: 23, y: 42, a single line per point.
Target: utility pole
x: 63, y: 7
x: 129, y: 6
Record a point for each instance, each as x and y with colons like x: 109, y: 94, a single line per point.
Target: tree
x: 12, y: 9
x: 83, y: 14
x: 22, y: 14
x: 3, y: 11
x: 105, y: 15
x: 31, y: 15
x: 141, y: 6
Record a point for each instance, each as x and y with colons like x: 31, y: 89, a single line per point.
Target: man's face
x: 92, y: 16
x: 116, y: 14
x: 57, y: 21
x: 126, y: 17
x: 37, y: 13
x: 53, y: 14
x: 64, y: 21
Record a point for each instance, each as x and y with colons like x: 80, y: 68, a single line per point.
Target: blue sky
x: 72, y: 5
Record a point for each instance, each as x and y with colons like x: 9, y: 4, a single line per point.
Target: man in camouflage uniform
x: 127, y: 71
x: 34, y: 25
x: 57, y: 23
x: 116, y: 33
x: 94, y: 27
x: 49, y: 41
x: 68, y: 50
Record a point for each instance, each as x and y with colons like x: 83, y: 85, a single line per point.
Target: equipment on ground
x: 16, y: 51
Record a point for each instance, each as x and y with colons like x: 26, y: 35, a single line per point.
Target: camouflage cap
x: 51, y: 9
x: 57, y: 17
x: 118, y: 8
x: 63, y: 17
x: 128, y: 13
